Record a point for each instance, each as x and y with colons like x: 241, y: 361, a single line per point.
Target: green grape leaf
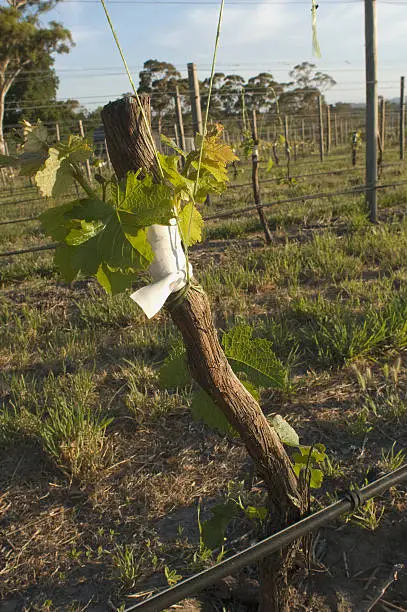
x: 251, y: 389
x: 286, y: 433
x: 216, y: 154
x: 172, y: 144
x: 28, y: 162
x: 64, y: 264
x: 140, y: 243
x: 96, y: 243
x: 72, y: 261
x: 213, y: 530
x: 182, y: 185
x: 317, y: 478
x: 190, y: 224
x: 204, y: 409
x: 76, y: 150
x: 218, y: 172
x: 270, y: 165
x: 56, y: 177
x: 9, y: 161
x: 174, y: 369
x: 35, y: 138
x: 317, y: 453
x: 114, y: 281
x: 147, y: 201
x: 215, y: 150
x: 119, y: 253
x: 281, y: 139
x: 255, y: 357
x: 77, y: 221
x: 259, y: 513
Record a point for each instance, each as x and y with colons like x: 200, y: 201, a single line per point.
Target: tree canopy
x: 262, y: 92
x: 26, y: 44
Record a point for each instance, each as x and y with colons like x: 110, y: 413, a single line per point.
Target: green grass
x: 80, y: 393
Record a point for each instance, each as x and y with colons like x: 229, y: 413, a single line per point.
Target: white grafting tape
x: 168, y: 269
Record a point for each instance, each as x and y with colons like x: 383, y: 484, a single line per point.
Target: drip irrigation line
x: 349, y: 503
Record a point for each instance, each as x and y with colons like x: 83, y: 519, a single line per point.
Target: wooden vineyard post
x: 371, y: 108
x: 303, y: 138
x: 130, y: 149
x: 195, y: 99
x: 57, y: 132
x: 87, y: 164
x: 176, y: 135
x: 180, y: 122
x: 382, y: 116
x: 335, y: 131
x: 287, y: 147
x: 109, y: 163
x: 321, y: 130
x: 255, y: 180
x: 328, y: 129
x: 402, y: 121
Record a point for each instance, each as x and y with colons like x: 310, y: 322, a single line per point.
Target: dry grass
x: 62, y: 525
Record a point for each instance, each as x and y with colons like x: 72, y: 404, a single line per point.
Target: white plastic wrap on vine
x: 168, y: 269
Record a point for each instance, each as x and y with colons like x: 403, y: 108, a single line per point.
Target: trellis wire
x: 322, y: 194
x: 354, y: 191
x: 349, y: 503
x: 240, y: 185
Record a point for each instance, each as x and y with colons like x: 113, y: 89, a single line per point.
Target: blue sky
x: 255, y: 37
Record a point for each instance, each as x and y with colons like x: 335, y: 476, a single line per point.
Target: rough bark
x: 210, y: 368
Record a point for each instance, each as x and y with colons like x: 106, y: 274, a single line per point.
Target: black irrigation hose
x: 349, y: 503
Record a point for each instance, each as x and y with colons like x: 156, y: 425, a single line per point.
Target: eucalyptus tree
x: 24, y: 43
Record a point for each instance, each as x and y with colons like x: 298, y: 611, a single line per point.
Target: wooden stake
x: 180, y: 121
x: 371, y: 108
x: 87, y: 164
x: 287, y: 146
x: 335, y: 131
x: 382, y: 122
x: 321, y: 130
x: 195, y: 99
x: 109, y: 163
x: 402, y: 125
x: 255, y: 180
x: 58, y: 134
x: 130, y: 150
x: 328, y: 129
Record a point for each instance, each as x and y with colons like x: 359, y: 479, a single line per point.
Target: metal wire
x: 198, y: 582
x: 22, y: 220
x: 323, y: 194
x: 242, y: 211
x: 45, y: 247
